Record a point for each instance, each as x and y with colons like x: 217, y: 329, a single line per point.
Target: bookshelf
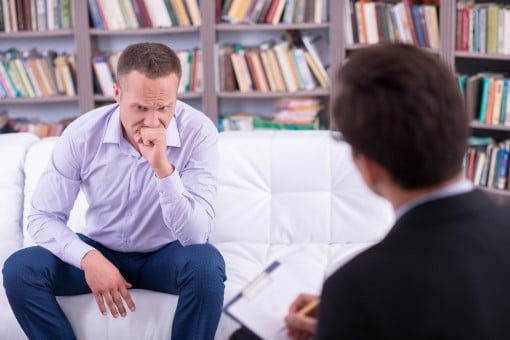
x: 256, y: 34
x: 85, y: 41
x: 60, y: 40
x: 470, y: 54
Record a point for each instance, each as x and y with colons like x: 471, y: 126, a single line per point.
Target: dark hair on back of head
x: 401, y: 106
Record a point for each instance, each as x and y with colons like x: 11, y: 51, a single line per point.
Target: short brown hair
x: 401, y: 106
x: 154, y: 60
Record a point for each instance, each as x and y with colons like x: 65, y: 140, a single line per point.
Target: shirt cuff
x: 170, y: 188
x: 75, y: 251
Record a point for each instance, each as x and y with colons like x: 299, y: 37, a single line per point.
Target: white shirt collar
x: 456, y: 188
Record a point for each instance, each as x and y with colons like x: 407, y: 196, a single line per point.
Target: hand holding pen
x: 301, y: 322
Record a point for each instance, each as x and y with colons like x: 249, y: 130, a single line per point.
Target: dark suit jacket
x: 442, y: 272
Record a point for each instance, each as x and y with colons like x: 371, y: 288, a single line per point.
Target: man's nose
x: 152, y: 119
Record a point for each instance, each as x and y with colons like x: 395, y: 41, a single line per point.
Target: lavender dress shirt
x: 130, y: 209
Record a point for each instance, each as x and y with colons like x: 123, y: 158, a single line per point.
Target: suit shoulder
x: 361, y: 265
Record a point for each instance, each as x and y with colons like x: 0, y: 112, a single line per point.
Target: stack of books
x: 293, y: 64
x: 133, y: 14
x: 292, y: 114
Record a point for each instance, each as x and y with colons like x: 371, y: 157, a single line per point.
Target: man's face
x: 145, y: 102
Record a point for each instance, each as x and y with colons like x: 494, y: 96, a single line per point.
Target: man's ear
x: 116, y: 92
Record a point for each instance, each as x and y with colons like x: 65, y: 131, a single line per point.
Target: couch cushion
x: 13, y: 147
x: 295, y: 196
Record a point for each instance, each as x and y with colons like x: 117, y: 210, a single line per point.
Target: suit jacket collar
x: 443, y: 209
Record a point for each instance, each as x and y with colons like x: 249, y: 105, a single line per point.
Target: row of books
x: 41, y: 129
x: 35, y: 15
x: 482, y: 27
x: 35, y: 74
x: 105, y: 66
x: 486, y: 163
x: 370, y: 22
x: 273, y: 11
x: 290, y: 65
x: 291, y: 114
x: 126, y: 14
x: 487, y: 97
x: 247, y: 122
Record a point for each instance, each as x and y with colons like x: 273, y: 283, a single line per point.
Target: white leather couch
x: 288, y: 195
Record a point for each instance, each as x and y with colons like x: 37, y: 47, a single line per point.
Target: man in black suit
x: 443, y: 271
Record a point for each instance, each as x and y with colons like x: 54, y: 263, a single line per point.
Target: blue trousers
x: 34, y: 276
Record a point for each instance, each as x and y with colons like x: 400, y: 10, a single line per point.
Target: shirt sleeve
x: 52, y: 202
x: 187, y: 197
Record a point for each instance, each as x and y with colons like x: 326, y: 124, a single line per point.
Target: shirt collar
x: 459, y: 187
x: 113, y: 133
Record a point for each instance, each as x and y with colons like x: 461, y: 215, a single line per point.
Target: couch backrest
x: 295, y: 197
x: 13, y: 148
x: 284, y: 187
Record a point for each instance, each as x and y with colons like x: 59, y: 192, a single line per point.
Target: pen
x: 308, y: 307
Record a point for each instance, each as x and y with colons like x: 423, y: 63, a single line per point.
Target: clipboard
x: 263, y: 304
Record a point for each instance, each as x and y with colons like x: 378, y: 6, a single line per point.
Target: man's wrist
x: 164, y: 171
x: 90, y: 253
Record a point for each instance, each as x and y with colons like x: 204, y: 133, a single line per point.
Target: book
x: 185, y: 71
x: 180, y: 12
x: 141, y: 13
x: 194, y: 12
x: 498, y: 95
x: 472, y: 94
x: 314, y: 60
x: 129, y: 14
x: 241, y: 71
x: 256, y: 70
x: 507, y: 110
x: 281, y: 50
x: 158, y: 13
x: 264, y: 58
x: 500, y: 178
x: 64, y: 73
x: 276, y: 70
x: 103, y: 75
x: 226, y: 70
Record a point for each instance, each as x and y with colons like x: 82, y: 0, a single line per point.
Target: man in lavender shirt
x: 148, y: 168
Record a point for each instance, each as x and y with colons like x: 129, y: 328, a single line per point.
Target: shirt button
x: 130, y: 213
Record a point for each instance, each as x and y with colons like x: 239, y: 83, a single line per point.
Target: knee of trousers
x: 25, y: 267
x: 206, y: 262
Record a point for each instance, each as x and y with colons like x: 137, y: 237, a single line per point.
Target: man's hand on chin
x: 152, y: 145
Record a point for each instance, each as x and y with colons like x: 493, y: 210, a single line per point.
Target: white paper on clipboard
x: 263, y: 304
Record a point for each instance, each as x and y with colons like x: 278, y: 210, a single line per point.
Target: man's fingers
x: 118, y: 303
x: 100, y: 303
x: 111, y: 304
x: 127, y: 297
x: 300, y: 323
